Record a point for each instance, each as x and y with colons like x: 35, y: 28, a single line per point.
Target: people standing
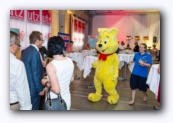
x: 44, y: 52
x: 86, y: 46
x: 136, y: 48
x: 44, y: 55
x: 122, y: 46
x: 154, y: 51
x: 128, y: 47
x: 70, y: 47
x: 138, y: 78
x: 19, y: 89
x: 60, y: 71
x: 34, y: 68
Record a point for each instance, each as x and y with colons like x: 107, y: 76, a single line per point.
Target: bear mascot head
x: 106, y: 73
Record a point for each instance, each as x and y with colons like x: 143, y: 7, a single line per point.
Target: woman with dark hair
x: 59, y: 71
x: 122, y: 46
x: 128, y: 47
x: 138, y: 78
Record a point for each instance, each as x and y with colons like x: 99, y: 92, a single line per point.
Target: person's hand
x: 141, y: 62
x: 41, y: 93
x: 130, y: 62
x: 43, y: 81
x: 45, y: 90
x: 44, y: 63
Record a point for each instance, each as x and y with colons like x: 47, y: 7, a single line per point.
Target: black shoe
x: 156, y: 108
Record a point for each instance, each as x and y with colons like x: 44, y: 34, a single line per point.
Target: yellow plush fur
x: 106, y: 73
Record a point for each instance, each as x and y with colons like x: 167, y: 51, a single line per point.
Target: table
x: 78, y: 58
x: 153, y: 79
x: 91, y: 52
x: 88, y: 60
x: 126, y: 52
x: 124, y: 60
x: 87, y: 65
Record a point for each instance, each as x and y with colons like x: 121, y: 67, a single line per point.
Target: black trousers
x: 42, y: 100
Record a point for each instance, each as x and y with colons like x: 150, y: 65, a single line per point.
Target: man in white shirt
x: 19, y: 89
x: 122, y: 46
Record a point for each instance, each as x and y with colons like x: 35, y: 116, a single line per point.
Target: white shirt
x: 64, y: 72
x: 35, y: 47
x: 19, y: 89
x: 37, y: 50
x: 122, y: 47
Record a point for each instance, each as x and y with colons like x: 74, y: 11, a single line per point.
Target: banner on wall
x: 17, y: 14
x: 33, y: 16
x: 79, y: 26
x: 92, y: 40
x: 75, y: 25
x: 66, y: 38
x: 46, y: 17
x: 78, y: 34
x: 83, y: 27
x: 78, y: 30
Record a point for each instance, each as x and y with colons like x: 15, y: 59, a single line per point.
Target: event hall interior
x: 81, y: 27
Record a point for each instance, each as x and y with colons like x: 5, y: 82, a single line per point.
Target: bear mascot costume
x: 106, y: 66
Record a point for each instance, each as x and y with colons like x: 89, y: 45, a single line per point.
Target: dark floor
x: 79, y: 95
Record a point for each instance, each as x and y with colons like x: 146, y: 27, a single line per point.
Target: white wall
x: 133, y: 25
x: 28, y: 27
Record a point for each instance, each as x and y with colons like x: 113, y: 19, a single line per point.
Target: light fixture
x: 137, y: 38
x: 145, y: 38
x: 128, y: 37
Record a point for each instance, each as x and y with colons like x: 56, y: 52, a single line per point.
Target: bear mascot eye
x: 105, y: 41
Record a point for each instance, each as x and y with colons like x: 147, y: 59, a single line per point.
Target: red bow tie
x: 103, y: 56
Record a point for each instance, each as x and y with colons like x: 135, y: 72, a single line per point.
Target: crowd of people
x: 32, y: 74
x: 122, y: 47
x: 27, y: 79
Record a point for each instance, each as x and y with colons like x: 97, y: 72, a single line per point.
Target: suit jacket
x: 34, y: 69
x: 136, y: 48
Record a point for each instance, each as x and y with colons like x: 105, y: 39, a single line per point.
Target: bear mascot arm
x: 94, y: 64
x: 116, y: 65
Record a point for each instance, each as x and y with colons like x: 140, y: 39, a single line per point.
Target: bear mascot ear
x: 114, y: 31
x: 101, y: 30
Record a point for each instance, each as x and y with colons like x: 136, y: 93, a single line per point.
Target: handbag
x: 54, y: 104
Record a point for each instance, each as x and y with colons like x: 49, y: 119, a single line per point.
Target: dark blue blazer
x: 34, y: 69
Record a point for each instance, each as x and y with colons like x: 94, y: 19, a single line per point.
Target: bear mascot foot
x: 94, y: 97
x: 113, y: 99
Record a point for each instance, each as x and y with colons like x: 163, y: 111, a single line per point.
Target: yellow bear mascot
x: 106, y: 73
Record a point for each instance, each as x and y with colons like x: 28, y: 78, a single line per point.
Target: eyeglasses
x: 42, y: 40
x: 18, y: 45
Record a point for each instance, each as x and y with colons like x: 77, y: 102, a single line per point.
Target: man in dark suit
x: 136, y: 48
x: 34, y: 68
